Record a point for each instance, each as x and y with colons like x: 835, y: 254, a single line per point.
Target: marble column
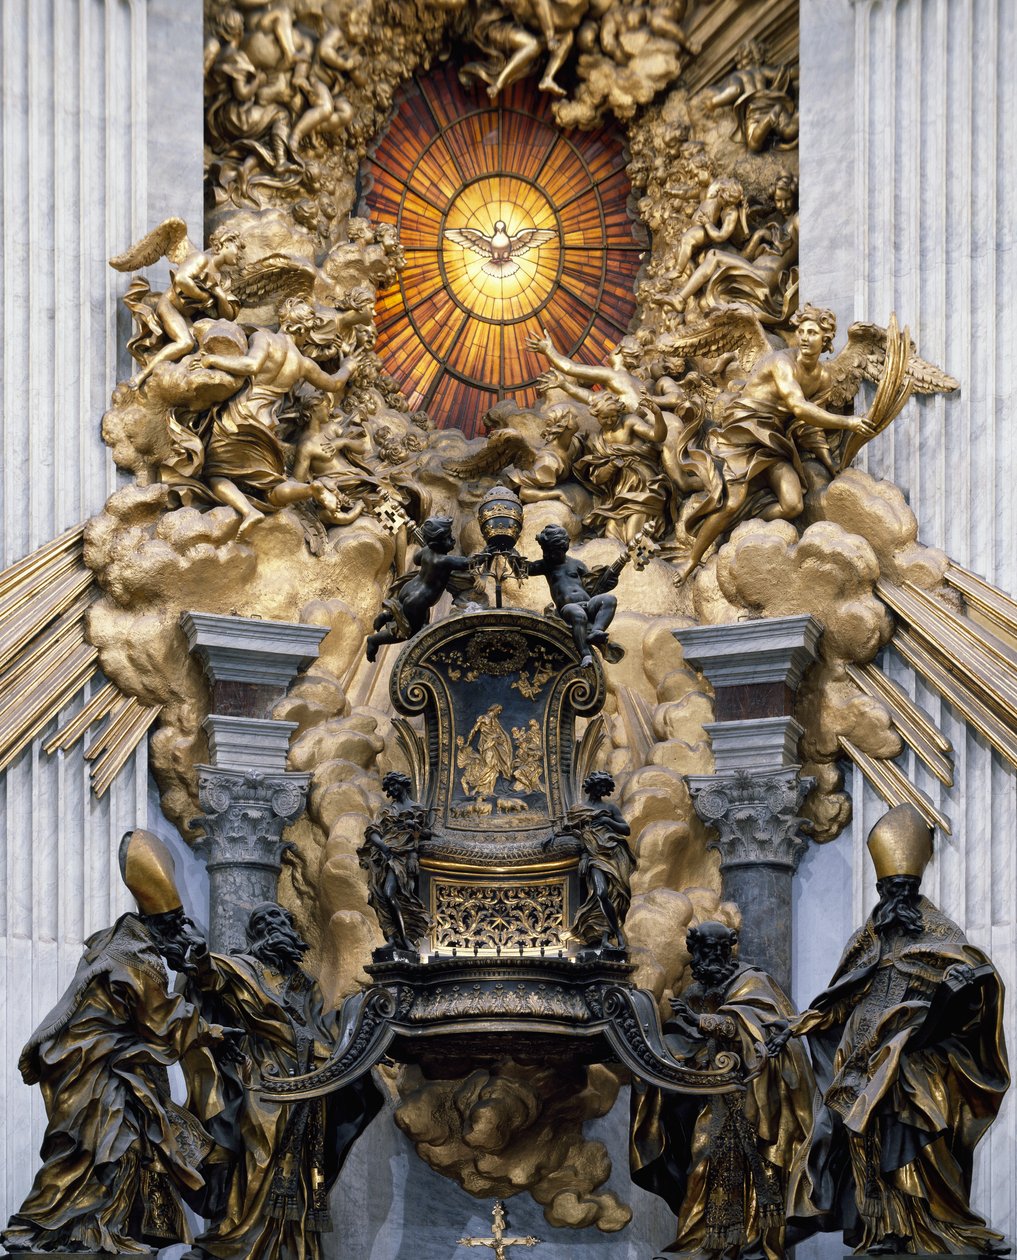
x: 247, y: 794
x: 753, y: 797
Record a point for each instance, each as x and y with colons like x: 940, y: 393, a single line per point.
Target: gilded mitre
x: 900, y: 843
x: 146, y: 865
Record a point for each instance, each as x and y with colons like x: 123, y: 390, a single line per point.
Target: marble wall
x: 88, y: 162
x: 908, y: 204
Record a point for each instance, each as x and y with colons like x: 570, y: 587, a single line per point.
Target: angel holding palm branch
x: 752, y: 461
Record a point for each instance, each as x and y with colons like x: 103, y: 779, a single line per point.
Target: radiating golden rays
x: 453, y: 330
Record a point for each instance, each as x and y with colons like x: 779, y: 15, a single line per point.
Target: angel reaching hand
x: 782, y: 415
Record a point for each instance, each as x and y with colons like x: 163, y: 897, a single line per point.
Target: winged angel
x: 500, y: 249
x: 201, y: 282
x: 788, y: 409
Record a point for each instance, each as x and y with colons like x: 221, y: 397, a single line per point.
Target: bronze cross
x: 498, y: 1242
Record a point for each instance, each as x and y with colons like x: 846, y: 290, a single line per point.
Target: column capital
x: 245, y: 814
x: 755, y: 815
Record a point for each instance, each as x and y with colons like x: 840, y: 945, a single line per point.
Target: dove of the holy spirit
x: 500, y: 249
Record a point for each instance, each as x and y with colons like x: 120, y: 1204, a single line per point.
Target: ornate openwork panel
x: 499, y: 914
x: 509, y: 224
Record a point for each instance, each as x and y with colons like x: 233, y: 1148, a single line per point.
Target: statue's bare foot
x: 587, y: 661
x: 549, y: 85
x: 248, y: 521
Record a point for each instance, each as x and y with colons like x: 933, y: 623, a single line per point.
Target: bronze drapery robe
x: 912, y: 1071
x: 723, y: 1162
x: 288, y: 1155
x: 117, y: 1150
x: 606, y: 849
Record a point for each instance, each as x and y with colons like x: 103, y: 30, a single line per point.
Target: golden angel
x: 790, y: 408
x: 198, y: 284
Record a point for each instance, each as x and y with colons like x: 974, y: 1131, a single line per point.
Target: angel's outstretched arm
x: 810, y: 412
x: 579, y: 392
x: 594, y: 374
x: 315, y: 375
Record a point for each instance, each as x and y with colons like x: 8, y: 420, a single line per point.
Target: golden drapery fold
x: 286, y: 1155
x: 912, y: 1066
x: 723, y: 1163
x: 117, y: 1151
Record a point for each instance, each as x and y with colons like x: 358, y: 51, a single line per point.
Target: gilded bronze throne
x: 490, y: 700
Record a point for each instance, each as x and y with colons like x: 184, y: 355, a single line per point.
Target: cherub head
x: 356, y: 19
x: 558, y: 420
x: 728, y: 191
x: 607, y: 409
x: 227, y: 245
x: 298, y: 318
x: 436, y: 533
x: 312, y: 408
x: 820, y: 319
x: 627, y: 354
x: 387, y: 237
x: 751, y: 53
x: 359, y: 298
x: 358, y: 230
x: 785, y: 194
x: 553, y: 540
x: 228, y: 25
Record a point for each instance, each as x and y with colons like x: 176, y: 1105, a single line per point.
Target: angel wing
x: 502, y: 448
x: 863, y: 358
x: 275, y: 277
x: 168, y: 240
x: 730, y: 328
x: 471, y: 238
x: 528, y: 238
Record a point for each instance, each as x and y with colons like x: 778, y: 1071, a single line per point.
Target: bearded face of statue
x: 898, y: 907
x: 174, y: 935
x: 273, y: 939
x: 711, y: 946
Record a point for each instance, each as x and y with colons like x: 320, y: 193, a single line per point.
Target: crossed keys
x: 497, y: 1241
